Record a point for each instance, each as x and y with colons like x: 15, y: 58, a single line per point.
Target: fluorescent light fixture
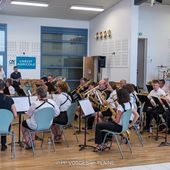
x: 30, y: 3
x: 87, y: 8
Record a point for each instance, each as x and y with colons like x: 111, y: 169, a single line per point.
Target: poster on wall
x: 26, y: 62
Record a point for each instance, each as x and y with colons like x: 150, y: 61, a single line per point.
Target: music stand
x: 22, y: 106
x: 88, y: 111
x: 158, y: 104
x: 144, y: 99
x: 149, y: 87
x: 165, y: 143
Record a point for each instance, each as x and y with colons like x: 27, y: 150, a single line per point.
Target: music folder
x: 86, y: 107
x: 21, y: 103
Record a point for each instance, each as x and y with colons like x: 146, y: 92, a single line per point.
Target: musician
x: 155, y: 110
x: 16, y: 77
x: 9, y: 89
x: 103, y: 87
x: 122, y: 83
x: 163, y: 86
x: 116, y: 124
x: 63, y: 101
x: 50, y: 84
x: 42, y: 102
x: 6, y: 102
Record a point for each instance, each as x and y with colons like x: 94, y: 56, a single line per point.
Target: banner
x: 26, y: 62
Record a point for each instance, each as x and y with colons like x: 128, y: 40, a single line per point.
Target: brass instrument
x: 91, y: 91
x: 105, y: 105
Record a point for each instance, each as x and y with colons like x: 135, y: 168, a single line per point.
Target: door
x: 141, y: 62
x: 3, y: 46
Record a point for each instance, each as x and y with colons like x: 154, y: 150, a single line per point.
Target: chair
x: 125, y: 124
x: 6, y: 118
x: 44, y: 119
x: 137, y: 124
x: 70, y: 114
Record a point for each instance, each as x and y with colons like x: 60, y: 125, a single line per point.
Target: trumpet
x: 90, y: 91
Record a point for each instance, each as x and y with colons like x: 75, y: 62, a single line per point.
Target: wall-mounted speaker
x: 101, y: 61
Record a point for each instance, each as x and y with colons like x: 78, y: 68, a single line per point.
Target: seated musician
x: 63, y: 101
x: 163, y: 86
x: 50, y: 84
x: 116, y: 123
x: 103, y: 87
x: 155, y: 110
x: 6, y: 102
x: 111, y: 101
x: 30, y: 123
x: 9, y: 88
x: 122, y: 83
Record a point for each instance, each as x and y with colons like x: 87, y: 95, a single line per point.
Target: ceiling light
x: 30, y: 3
x: 86, y: 8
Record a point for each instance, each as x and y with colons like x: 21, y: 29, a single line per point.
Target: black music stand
x: 149, y: 87
x: 165, y: 143
x: 144, y: 99
x: 158, y: 104
x: 88, y: 111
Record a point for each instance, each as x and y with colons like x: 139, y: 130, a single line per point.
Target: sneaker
x: 3, y: 147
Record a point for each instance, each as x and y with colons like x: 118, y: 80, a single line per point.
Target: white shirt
x: 120, y: 108
x: 63, y: 101
x: 2, y: 74
x: 11, y: 90
x: 112, y: 100
x: 156, y: 93
x: 31, y: 112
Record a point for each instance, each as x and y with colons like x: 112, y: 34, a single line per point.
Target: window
x: 3, y: 46
x: 62, y: 51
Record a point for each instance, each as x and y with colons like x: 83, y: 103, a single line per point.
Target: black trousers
x: 166, y: 116
x: 153, y: 113
x: 62, y: 119
x: 112, y: 126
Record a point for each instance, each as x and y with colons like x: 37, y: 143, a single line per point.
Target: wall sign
x: 26, y: 62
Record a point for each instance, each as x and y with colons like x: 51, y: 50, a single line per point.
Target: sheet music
x: 86, y: 107
x: 21, y: 103
x: 32, y: 99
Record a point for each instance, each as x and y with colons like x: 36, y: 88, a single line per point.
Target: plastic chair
x: 125, y: 124
x: 6, y: 118
x: 44, y: 119
x: 70, y: 114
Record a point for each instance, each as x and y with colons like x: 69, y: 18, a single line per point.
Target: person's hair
x: 129, y: 88
x: 162, y: 80
x: 2, y: 84
x: 45, y: 79
x: 113, y: 85
x: 9, y: 81
x: 63, y: 86
x: 155, y: 81
x: 15, y: 67
x: 83, y: 78
x: 92, y: 83
x: 123, y: 96
x: 41, y: 91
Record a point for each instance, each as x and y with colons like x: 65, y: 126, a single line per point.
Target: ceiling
x: 57, y: 9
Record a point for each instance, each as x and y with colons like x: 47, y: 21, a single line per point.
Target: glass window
x: 2, y: 41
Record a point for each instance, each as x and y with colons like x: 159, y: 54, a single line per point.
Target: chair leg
x: 13, y: 149
x: 65, y: 139
x: 120, y: 149
x: 74, y: 131
x: 52, y: 137
x: 32, y: 145
x: 128, y: 141
x: 139, y: 135
x: 42, y: 142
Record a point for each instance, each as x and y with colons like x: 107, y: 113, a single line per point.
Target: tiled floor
x: 162, y: 166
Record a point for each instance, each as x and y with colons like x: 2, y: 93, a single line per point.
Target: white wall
x: 122, y: 19
x: 23, y: 35
x: 154, y: 24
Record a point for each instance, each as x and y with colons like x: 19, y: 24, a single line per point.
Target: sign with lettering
x: 26, y: 62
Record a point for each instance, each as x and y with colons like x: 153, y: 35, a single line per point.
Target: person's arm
x: 13, y: 109
x: 136, y: 116
x: 118, y: 116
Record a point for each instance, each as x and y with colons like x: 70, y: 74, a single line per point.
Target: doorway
x: 141, y: 62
